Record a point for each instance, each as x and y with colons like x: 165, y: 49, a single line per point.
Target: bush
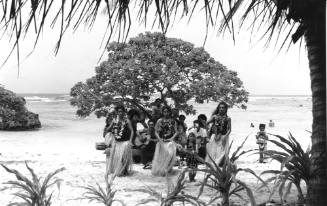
x: 33, y: 191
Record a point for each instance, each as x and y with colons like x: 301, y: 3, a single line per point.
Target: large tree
x: 301, y: 19
x: 152, y: 64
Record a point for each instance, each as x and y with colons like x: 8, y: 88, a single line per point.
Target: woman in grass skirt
x: 219, y: 134
x: 165, y: 152
x: 120, y: 159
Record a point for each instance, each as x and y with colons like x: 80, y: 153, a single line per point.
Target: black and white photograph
x: 163, y: 103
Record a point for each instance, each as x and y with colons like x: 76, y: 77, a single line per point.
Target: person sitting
x: 147, y: 152
x: 262, y: 138
x: 201, y: 138
x: 271, y: 123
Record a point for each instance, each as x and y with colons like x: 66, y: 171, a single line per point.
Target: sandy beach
x: 67, y: 141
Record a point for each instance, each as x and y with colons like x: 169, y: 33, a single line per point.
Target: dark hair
x: 120, y: 106
x: 262, y: 126
x: 202, y: 116
x: 217, y: 108
x: 132, y: 112
x: 168, y: 108
x: 181, y: 117
x: 108, y: 120
x: 151, y: 120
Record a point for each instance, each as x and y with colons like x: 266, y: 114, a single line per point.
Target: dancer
x: 120, y: 159
x: 219, y: 134
x: 165, y: 152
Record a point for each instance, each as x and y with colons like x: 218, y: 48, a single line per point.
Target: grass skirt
x: 120, y: 160
x: 216, y: 150
x: 164, y: 158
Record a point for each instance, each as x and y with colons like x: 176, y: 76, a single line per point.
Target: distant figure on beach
x: 165, y: 152
x: 271, y: 123
x: 219, y: 134
x: 201, y: 138
x: 251, y: 125
x: 148, y: 151
x: 262, y: 138
x: 120, y: 159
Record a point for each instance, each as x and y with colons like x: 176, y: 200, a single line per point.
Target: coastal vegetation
x: 33, y: 191
x: 14, y: 114
x: 152, y: 64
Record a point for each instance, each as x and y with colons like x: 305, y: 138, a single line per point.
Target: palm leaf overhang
x: 276, y: 15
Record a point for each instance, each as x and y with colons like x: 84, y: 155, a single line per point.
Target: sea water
x: 65, y: 136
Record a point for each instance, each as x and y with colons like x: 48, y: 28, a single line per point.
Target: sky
x: 262, y: 70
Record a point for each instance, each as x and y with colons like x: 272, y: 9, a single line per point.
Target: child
x: 181, y: 137
x: 201, y: 138
x: 190, y: 159
x: 262, y: 142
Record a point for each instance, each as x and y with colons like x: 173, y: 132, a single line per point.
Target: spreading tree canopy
x: 152, y: 64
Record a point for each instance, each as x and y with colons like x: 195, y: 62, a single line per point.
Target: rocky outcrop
x: 13, y: 113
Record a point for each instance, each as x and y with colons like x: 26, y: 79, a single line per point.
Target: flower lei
x: 220, y: 121
x: 120, y: 126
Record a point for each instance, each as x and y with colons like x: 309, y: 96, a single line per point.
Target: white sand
x: 73, y: 146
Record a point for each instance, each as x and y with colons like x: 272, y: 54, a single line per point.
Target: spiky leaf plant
x: 295, y: 166
x: 223, y: 180
x: 34, y: 191
x: 105, y: 196
x: 175, y: 193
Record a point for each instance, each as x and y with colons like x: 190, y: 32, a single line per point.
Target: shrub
x: 224, y: 179
x: 295, y: 166
x: 33, y: 191
x: 106, y: 196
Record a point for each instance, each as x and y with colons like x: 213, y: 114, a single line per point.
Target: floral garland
x: 119, y: 126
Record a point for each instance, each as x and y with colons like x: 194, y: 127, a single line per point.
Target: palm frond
x: 73, y: 13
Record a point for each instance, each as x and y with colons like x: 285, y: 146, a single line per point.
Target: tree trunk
x: 300, y: 194
x: 316, y: 47
x: 225, y: 200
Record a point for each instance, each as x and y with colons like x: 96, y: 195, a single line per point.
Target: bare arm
x: 176, y: 132
x: 210, y: 120
x: 229, y: 126
x: 130, y: 127
x: 229, y: 129
x: 156, y: 129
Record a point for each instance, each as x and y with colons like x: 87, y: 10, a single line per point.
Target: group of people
x: 165, y: 136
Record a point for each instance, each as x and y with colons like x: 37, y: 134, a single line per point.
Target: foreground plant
x: 106, y: 195
x: 33, y: 191
x: 295, y: 167
x: 175, y: 193
x: 223, y: 180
